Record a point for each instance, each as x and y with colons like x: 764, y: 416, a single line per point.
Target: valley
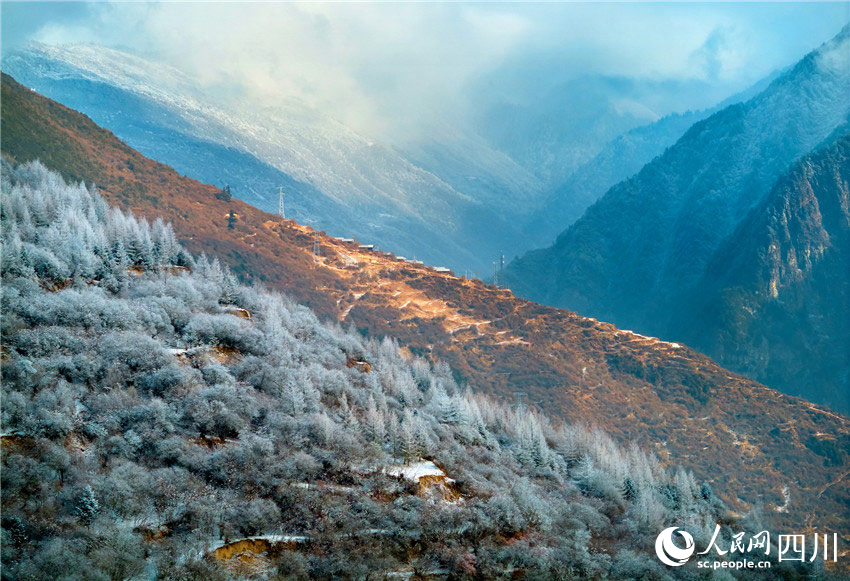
x: 748, y: 441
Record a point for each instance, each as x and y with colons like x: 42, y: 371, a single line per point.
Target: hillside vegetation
x: 156, y: 412
x: 756, y: 447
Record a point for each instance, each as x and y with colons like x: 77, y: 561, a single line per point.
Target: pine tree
x: 231, y: 220
x: 630, y: 490
x: 87, y: 506
x: 375, y: 427
x: 224, y: 194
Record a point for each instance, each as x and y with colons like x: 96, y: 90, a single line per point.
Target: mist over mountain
x: 647, y: 242
x: 620, y: 158
x: 458, y: 193
x: 333, y: 177
x: 559, y: 128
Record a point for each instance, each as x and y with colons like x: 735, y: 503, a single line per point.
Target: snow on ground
x: 653, y: 340
x: 786, y: 493
x: 281, y: 538
x: 416, y: 470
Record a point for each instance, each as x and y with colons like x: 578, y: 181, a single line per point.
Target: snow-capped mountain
x: 335, y: 178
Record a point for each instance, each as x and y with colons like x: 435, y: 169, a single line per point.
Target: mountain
x: 333, y: 177
x: 753, y: 444
x: 470, y: 165
x: 618, y: 160
x: 552, y: 120
x: 162, y: 421
x: 561, y: 124
x: 775, y: 299
x: 646, y: 244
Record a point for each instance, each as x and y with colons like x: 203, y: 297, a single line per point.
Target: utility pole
x: 280, y: 208
x: 499, y: 272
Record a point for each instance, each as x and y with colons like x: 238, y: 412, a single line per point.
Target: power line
x: 280, y: 208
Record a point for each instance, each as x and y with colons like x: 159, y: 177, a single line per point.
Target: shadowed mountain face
x: 646, y: 245
x: 749, y: 441
x: 618, y: 160
x: 775, y: 300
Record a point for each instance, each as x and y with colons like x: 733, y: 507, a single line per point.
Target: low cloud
x: 389, y: 67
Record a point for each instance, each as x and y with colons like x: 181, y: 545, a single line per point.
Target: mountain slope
x: 749, y: 441
x: 648, y: 241
x: 334, y: 177
x: 618, y: 160
x: 559, y: 125
x: 775, y: 300
x: 190, y: 427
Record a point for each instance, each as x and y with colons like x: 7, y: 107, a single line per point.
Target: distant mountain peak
x: 642, y: 249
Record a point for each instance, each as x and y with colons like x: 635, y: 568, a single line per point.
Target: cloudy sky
x: 370, y: 62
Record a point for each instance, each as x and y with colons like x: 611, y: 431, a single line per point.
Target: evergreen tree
x: 224, y: 194
x: 87, y: 506
x: 630, y: 490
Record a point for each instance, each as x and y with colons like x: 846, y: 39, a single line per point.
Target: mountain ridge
x: 339, y: 179
x: 748, y: 440
x: 618, y: 160
x: 648, y: 240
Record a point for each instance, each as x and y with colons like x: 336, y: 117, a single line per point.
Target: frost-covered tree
x: 147, y: 424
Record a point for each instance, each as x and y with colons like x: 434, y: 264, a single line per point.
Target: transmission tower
x: 317, y: 250
x: 499, y: 271
x: 280, y: 208
x: 519, y: 405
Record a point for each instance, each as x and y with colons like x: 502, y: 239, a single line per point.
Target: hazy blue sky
x: 364, y: 61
